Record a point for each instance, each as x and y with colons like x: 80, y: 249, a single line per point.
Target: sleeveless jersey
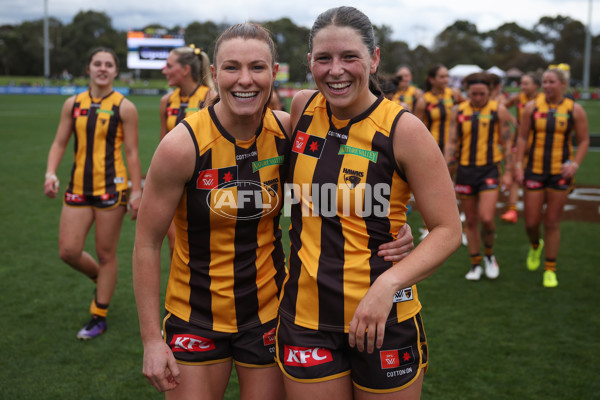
x: 348, y: 197
x: 522, y: 100
x: 228, y: 263
x: 406, y: 96
x: 179, y: 107
x: 437, y: 115
x: 550, y: 136
x: 98, y: 166
x: 477, y: 133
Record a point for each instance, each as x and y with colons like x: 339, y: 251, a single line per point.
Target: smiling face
x: 341, y: 65
x: 244, y: 73
x: 174, y: 71
x: 102, y: 69
x: 553, y: 86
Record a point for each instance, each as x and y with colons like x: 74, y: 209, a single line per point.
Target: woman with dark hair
x: 435, y: 106
x: 102, y: 121
x: 479, y: 128
x: 220, y: 175
x: 530, y: 86
x: 546, y: 165
x: 349, y: 321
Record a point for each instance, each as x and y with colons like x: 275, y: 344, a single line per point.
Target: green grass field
x: 503, y: 339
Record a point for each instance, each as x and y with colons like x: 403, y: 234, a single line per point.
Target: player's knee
x: 69, y: 254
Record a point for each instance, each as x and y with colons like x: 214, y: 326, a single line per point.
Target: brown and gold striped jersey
x: 477, y: 134
x: 180, y: 107
x: 98, y: 166
x: 348, y: 197
x: 228, y: 263
x: 550, y: 136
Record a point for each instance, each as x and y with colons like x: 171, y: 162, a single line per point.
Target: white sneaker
x: 474, y: 273
x: 465, y: 242
x: 424, y: 233
x: 491, y: 267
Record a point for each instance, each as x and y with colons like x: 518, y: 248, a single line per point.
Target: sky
x: 415, y: 22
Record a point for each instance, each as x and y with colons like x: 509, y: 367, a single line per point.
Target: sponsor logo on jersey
x: 79, y: 112
x: 191, y: 343
x: 109, y: 112
x: 368, y: 154
x: 309, y: 145
x: 403, y: 295
x: 396, y: 358
x: 306, y: 356
x: 209, y: 179
x: 256, y: 165
x: 337, y: 135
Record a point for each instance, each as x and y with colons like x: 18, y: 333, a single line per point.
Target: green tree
x: 393, y: 53
x: 91, y: 29
x: 203, y: 35
x: 564, y: 39
x: 507, y: 43
x: 291, y: 41
x: 460, y: 43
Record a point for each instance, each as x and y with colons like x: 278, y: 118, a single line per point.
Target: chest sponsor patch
x: 209, y: 179
x: 309, y: 145
x: 368, y: 154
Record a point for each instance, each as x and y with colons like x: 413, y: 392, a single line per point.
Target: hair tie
x: 197, y: 51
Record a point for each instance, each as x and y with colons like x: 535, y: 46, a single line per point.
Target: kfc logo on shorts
x: 191, y: 343
x: 463, y: 189
x: 531, y: 184
x: 396, y: 358
x: 269, y: 338
x: 74, y: 198
x: 306, y: 356
x: 490, y: 181
x: 562, y: 182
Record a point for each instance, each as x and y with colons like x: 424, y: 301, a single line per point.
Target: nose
x: 336, y: 67
x: 245, y: 77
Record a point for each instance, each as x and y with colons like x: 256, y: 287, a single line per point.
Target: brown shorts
x: 193, y: 345
x: 105, y: 201
x: 306, y: 355
x: 536, y: 182
x: 470, y: 181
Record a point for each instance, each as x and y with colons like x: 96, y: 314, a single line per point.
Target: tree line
x: 552, y: 40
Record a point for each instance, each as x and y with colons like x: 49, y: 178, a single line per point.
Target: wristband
x: 135, y: 197
x: 52, y: 176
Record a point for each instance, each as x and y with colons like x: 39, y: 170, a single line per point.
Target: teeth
x: 339, y: 85
x: 245, y: 94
